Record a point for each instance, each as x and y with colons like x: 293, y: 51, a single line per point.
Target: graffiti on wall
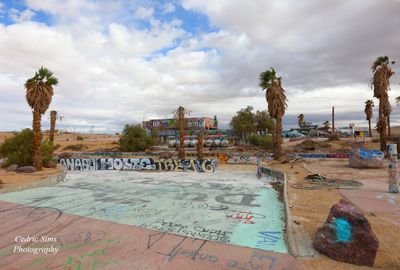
x: 242, y: 159
x: 392, y: 166
x: 86, y: 164
x: 272, y: 175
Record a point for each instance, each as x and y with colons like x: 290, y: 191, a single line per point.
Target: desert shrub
x: 134, y: 138
x: 261, y: 141
x: 19, y: 149
x: 334, y: 137
x: 79, y: 138
x: 56, y: 146
x: 75, y: 147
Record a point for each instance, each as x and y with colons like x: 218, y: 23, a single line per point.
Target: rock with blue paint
x: 347, y: 236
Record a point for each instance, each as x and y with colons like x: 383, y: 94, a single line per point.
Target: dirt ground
x: 11, y: 180
x: 90, y: 142
x: 310, y: 208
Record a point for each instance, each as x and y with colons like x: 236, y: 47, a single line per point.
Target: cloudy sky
x: 123, y: 62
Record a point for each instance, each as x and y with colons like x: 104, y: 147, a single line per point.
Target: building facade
x: 168, y: 128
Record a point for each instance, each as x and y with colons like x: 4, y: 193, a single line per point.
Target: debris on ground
x: 316, y: 181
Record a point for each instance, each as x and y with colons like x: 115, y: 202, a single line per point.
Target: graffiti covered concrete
x: 87, y: 164
x: 218, y: 207
x: 242, y: 159
x: 270, y: 174
x: 86, y: 243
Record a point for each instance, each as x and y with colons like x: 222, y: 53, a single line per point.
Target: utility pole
x: 333, y: 119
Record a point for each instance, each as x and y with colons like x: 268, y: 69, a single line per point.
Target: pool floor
x: 230, y: 207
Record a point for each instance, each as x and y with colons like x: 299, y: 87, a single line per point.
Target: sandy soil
x: 90, y: 142
x: 12, y: 180
x: 311, y: 207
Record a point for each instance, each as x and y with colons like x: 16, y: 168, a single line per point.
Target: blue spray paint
x: 343, y: 230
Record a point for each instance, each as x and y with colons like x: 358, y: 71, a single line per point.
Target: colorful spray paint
x: 392, y: 166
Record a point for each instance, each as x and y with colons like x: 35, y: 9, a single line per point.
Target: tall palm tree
x: 276, y: 100
x: 54, y: 116
x: 369, y: 104
x: 300, y: 120
x: 381, y: 84
x: 180, y: 116
x: 39, y: 91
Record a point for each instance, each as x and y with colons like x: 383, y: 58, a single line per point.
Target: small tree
x: 134, y: 138
x: 369, y: 104
x: 54, y: 116
x: 19, y: 149
x: 326, y: 125
x: 243, y: 123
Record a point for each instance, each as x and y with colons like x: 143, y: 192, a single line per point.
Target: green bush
x: 19, y: 149
x: 134, y: 138
x: 74, y: 147
x: 261, y: 141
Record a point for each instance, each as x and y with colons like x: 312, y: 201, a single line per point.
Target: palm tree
x: 300, y: 120
x: 39, y: 91
x: 54, y: 115
x: 180, y: 115
x: 369, y: 104
x: 381, y: 84
x: 200, y: 148
x: 276, y: 100
x: 326, y: 125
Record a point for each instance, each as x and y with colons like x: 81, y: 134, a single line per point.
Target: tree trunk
x: 181, y: 154
x: 388, y: 122
x: 278, y: 137
x: 369, y: 128
x: 200, y: 149
x: 383, y: 130
x: 37, y: 140
x: 53, y: 116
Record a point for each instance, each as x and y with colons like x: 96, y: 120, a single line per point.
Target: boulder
x: 50, y: 164
x: 26, y: 169
x: 347, y: 236
x: 365, y: 158
x: 12, y: 168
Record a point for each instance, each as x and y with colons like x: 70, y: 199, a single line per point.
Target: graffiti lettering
x: 85, y: 164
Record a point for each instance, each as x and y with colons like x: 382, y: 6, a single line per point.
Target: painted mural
x: 242, y: 159
x: 392, y: 167
x: 218, y: 207
x: 87, y: 164
x: 270, y: 174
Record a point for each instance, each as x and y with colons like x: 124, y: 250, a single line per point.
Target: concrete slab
x: 228, y: 207
x: 81, y: 243
x: 373, y: 197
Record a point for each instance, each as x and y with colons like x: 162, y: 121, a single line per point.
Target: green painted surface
x: 232, y: 207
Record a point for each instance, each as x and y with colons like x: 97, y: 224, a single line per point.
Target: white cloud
x: 144, y: 13
x: 21, y: 16
x: 168, y: 8
x: 113, y: 71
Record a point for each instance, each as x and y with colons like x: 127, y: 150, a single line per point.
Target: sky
x: 122, y: 62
